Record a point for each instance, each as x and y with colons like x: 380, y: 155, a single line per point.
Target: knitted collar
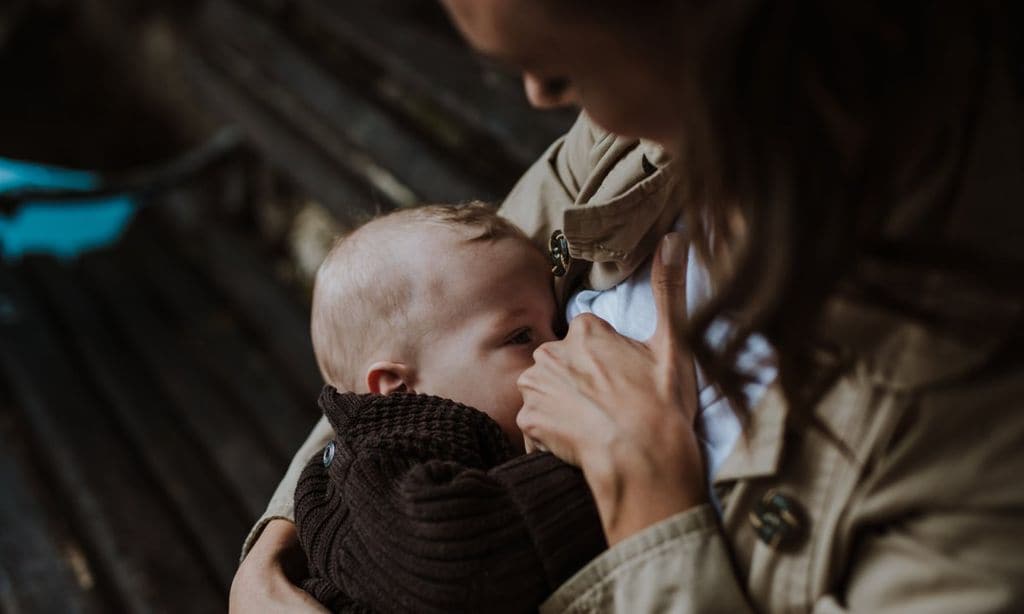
x: 418, y: 425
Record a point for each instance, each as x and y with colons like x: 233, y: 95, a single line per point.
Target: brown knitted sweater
x: 425, y: 508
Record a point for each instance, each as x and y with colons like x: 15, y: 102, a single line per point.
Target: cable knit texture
x: 426, y: 508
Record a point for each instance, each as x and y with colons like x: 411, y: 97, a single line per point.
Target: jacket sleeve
x: 679, y: 565
x: 282, y: 503
x: 933, y: 526
x: 966, y: 557
x: 469, y: 540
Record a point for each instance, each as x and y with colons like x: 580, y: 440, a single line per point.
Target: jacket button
x: 558, y: 248
x: 328, y: 454
x: 778, y: 520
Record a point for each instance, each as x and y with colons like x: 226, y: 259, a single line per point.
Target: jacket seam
x: 591, y: 594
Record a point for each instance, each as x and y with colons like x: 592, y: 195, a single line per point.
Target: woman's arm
x: 261, y: 584
x: 679, y: 565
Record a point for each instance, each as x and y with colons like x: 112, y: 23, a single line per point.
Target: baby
x: 423, y: 501
x: 443, y: 300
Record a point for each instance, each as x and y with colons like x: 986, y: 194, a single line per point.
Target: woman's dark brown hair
x: 818, y: 118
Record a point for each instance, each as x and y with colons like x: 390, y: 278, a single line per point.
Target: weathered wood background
x: 151, y: 393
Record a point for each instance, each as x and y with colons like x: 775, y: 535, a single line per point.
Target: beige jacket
x: 921, y: 509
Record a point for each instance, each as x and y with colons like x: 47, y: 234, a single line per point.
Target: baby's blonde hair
x: 362, y: 292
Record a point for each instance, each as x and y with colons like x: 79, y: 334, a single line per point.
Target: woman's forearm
x: 680, y: 565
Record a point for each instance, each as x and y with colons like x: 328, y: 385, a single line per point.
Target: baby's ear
x: 388, y: 377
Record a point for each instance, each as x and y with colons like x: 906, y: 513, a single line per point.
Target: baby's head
x: 448, y: 300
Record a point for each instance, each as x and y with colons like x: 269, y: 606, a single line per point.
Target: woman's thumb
x: 668, y: 283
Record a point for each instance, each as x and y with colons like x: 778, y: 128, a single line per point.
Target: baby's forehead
x: 394, y: 233
x: 431, y: 244
x: 441, y: 260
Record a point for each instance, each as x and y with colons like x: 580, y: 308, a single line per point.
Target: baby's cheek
x: 507, y: 405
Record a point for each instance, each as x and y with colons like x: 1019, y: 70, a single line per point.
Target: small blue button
x: 328, y: 454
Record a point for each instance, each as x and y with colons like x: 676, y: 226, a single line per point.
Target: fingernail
x: 672, y: 247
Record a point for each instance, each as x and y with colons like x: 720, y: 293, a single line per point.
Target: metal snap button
x: 778, y: 520
x: 328, y: 454
x: 558, y: 249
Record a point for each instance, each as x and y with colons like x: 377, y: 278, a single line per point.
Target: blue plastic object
x: 64, y: 230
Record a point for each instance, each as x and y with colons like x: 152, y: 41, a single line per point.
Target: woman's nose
x: 549, y: 93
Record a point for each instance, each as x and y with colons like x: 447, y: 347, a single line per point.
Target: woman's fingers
x: 622, y: 411
x: 668, y: 284
x: 539, y: 385
x: 261, y: 584
x: 558, y: 412
x: 676, y: 371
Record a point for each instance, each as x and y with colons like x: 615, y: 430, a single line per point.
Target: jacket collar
x: 888, y: 351
x: 759, y: 448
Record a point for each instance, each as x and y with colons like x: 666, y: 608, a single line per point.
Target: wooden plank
x: 363, y: 138
x: 286, y: 148
x: 238, y: 451
x: 43, y: 567
x: 415, y: 57
x: 127, y: 527
x: 220, y: 346
x: 215, y: 519
x: 241, y: 273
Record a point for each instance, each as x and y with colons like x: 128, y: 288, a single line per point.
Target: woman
x: 874, y: 151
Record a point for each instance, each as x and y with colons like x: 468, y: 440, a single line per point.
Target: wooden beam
x: 127, y: 527
x: 215, y: 519
x: 44, y: 567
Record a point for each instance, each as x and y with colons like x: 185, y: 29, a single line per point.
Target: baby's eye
x: 522, y: 336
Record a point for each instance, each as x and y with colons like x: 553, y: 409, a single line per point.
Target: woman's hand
x: 622, y: 410
x: 262, y: 582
